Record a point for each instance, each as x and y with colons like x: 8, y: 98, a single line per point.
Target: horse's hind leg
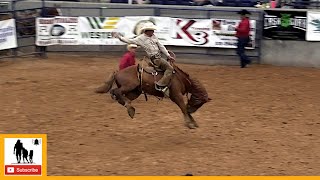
x: 192, y: 120
x: 189, y: 121
x: 125, y: 100
x: 128, y: 98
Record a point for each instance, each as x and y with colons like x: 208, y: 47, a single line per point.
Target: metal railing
x: 197, y: 13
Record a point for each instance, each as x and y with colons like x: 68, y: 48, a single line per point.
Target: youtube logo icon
x: 9, y: 170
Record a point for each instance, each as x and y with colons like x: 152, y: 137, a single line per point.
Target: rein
x: 140, y: 76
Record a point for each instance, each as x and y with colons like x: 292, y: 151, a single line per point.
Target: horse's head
x: 195, y: 103
x: 199, y: 96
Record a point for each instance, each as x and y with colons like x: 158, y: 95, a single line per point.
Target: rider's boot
x: 161, y: 85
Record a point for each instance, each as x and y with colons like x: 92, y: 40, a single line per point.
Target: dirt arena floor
x: 263, y: 120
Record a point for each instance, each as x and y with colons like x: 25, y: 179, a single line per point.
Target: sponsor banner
x: 190, y: 32
x: 223, y: 33
x: 57, y: 30
x: 24, y: 154
x: 97, y: 30
x: 313, y: 26
x: 286, y: 25
x: 208, y: 33
x: 170, y: 31
x: 8, y: 37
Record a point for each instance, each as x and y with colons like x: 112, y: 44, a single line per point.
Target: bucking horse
x: 135, y: 80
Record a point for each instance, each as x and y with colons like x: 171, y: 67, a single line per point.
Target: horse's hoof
x: 131, y: 111
x: 101, y: 89
x: 192, y: 126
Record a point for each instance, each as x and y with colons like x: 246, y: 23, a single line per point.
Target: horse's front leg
x: 189, y: 121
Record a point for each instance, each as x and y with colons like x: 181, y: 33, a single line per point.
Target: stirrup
x: 163, y: 89
x: 159, y: 88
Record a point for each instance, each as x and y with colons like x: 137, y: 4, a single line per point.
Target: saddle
x: 154, y: 70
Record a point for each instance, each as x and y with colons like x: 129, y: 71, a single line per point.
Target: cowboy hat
x: 244, y: 12
x: 129, y: 46
x: 148, y: 26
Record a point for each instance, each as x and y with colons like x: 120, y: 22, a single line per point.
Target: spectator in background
x: 142, y: 1
x: 207, y: 2
x: 285, y: 5
x: 242, y: 33
x: 201, y: 2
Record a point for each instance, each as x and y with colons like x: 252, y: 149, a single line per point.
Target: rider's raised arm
x: 163, y: 48
x: 135, y: 40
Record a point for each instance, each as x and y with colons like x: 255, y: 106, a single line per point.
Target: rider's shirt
x: 151, y: 45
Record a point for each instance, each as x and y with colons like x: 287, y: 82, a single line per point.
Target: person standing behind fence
x: 48, y: 12
x: 242, y: 33
x: 128, y: 59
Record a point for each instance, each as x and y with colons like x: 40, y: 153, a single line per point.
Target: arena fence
x: 25, y: 26
x: 26, y: 42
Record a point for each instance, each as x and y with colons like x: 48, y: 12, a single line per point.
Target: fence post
x: 208, y: 17
x: 260, y: 35
x: 156, y: 11
x: 101, y: 15
x: 43, y: 50
x: 13, y: 9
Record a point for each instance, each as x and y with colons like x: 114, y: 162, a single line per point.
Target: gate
x: 25, y: 27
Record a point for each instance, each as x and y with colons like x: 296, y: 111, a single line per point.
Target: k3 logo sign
x: 192, y: 31
x: 24, y: 155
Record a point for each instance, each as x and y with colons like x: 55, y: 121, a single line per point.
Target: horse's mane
x: 194, y: 86
x: 180, y: 70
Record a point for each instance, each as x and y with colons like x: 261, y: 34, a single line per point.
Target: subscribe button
x: 23, y: 170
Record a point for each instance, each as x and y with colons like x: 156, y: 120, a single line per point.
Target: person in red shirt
x: 127, y: 60
x: 242, y: 33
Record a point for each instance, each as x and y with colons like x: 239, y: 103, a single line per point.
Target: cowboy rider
x: 152, y: 46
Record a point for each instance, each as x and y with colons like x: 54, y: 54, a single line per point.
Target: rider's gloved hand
x: 115, y: 34
x: 170, y: 58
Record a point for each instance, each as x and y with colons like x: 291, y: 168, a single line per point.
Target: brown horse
x: 133, y: 81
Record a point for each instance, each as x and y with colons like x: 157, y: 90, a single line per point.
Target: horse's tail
x: 110, y: 81
x: 108, y: 84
